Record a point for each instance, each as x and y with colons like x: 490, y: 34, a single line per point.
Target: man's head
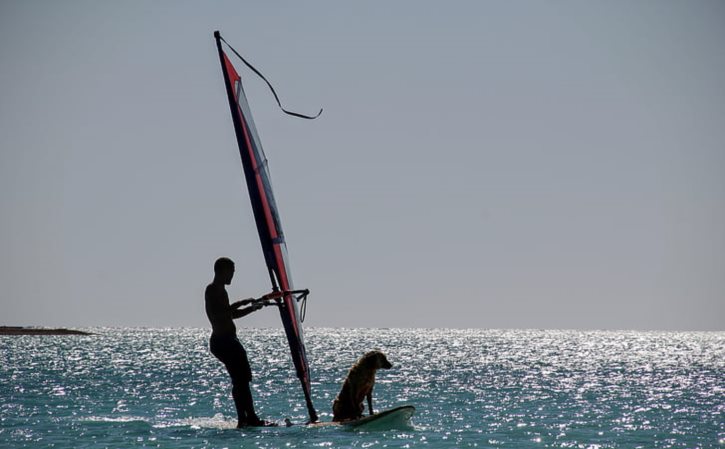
x: 224, y: 270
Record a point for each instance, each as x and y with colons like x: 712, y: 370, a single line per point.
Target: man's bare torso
x: 219, y: 311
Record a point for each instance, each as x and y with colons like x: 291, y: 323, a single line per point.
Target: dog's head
x: 376, y: 360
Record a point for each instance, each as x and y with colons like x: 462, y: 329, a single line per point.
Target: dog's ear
x: 369, y: 360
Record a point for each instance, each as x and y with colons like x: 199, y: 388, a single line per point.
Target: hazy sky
x: 528, y: 164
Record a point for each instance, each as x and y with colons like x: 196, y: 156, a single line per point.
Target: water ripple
x: 472, y: 388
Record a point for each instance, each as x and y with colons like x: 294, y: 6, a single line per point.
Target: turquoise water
x: 129, y: 388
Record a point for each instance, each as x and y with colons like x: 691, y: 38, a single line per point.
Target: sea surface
x: 134, y: 388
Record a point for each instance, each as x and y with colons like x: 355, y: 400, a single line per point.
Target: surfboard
x: 394, y: 418
x: 387, y: 419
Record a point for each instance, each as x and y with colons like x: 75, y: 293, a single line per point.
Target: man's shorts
x: 230, y: 351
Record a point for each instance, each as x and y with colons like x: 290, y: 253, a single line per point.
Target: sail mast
x: 267, y: 219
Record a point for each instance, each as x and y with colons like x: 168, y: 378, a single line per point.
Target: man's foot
x: 256, y: 423
x: 264, y: 423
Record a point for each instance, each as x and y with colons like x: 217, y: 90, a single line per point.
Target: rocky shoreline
x: 20, y: 330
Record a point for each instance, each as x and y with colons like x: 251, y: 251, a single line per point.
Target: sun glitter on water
x: 471, y: 388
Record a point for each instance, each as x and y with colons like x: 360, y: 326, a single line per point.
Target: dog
x: 358, y: 385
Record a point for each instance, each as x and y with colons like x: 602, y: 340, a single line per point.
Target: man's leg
x: 244, y: 403
x: 232, y: 355
x: 239, y: 404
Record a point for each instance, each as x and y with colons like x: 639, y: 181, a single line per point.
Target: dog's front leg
x: 370, y: 401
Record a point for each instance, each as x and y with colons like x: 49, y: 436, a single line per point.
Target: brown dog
x: 357, y: 386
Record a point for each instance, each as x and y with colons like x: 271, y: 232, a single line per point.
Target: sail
x: 266, y: 216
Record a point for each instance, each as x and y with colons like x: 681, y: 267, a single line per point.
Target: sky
x: 483, y: 164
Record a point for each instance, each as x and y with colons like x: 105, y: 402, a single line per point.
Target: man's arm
x: 241, y: 303
x: 238, y: 313
x: 237, y: 304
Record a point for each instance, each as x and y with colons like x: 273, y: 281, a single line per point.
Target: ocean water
x: 133, y: 388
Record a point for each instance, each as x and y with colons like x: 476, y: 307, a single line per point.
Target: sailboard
x: 394, y: 418
x: 266, y: 215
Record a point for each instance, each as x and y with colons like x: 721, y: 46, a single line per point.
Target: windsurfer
x: 224, y: 343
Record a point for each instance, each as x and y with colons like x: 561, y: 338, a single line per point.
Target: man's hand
x: 257, y: 304
x: 256, y: 307
x: 241, y: 303
x: 272, y: 295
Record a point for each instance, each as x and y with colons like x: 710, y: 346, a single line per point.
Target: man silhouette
x: 224, y: 343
